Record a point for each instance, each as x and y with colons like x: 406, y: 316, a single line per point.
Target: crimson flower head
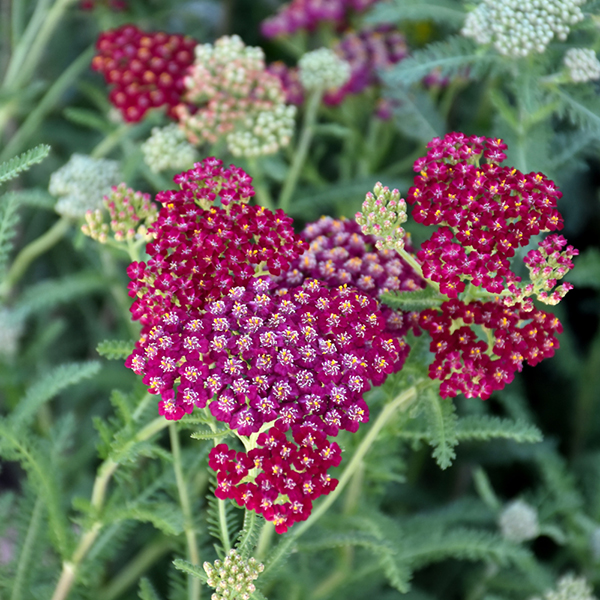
x: 145, y: 70
x: 208, y: 239
x: 484, y: 212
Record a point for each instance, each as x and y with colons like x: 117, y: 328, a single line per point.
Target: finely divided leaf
x: 8, y: 228
x: 441, y: 420
x: 488, y: 427
x: 188, y: 567
x: 580, y: 105
x: 11, y: 168
x: 415, y: 114
x: 147, y: 591
x: 444, y: 12
x: 115, y: 349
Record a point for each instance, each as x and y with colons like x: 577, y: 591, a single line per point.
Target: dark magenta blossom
x: 145, y: 70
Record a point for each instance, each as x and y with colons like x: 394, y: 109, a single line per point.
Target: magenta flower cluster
x: 484, y: 212
x: 292, y: 358
x: 201, y: 249
x: 291, y: 476
x: 308, y: 14
x: 477, y: 365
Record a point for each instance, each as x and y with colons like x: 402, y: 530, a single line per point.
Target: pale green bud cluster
x: 323, y: 70
x: 583, y: 65
x: 131, y: 213
x: 520, y: 27
x: 232, y: 578
x: 383, y: 213
x: 570, y: 587
x: 81, y: 184
x: 519, y: 522
x: 264, y: 133
x: 11, y: 329
x: 168, y: 148
x: 231, y: 50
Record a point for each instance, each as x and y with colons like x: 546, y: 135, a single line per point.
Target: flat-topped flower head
x: 582, y: 65
x: 145, y: 70
x: 484, y: 212
x: 281, y: 477
x: 208, y: 239
x: 322, y: 70
x: 168, y: 148
x: 480, y: 346
x: 231, y: 95
x: 258, y: 356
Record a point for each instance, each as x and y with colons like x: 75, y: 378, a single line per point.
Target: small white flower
x: 519, y: 522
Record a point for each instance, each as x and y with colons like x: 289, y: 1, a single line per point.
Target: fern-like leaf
x: 448, y: 57
x: 211, y: 435
x: 415, y: 114
x: 147, y: 591
x: 220, y: 519
x: 491, y: 427
x: 340, y: 540
x: 34, y: 197
x: 248, y: 537
x: 413, y: 301
x: 48, y: 386
x: 115, y: 349
x: 190, y: 569
x: 13, y: 167
x: 441, y: 420
x: 580, y: 105
x: 444, y: 12
x: 9, y: 219
x: 165, y: 516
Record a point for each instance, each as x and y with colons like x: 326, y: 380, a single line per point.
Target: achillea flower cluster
x: 233, y: 577
x: 368, y: 52
x: 476, y: 365
x: 570, y: 587
x: 582, y: 65
x: 131, y: 214
x: 291, y: 474
x: 168, y: 148
x: 322, y: 70
x: 307, y: 14
x: 202, y: 250
x: 519, y: 522
x: 517, y: 28
x: 145, y: 70
x: 81, y: 184
x: 484, y: 212
x: 236, y: 99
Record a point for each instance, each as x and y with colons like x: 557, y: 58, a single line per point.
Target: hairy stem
x: 310, y: 119
x: 103, y: 477
x: 403, y: 400
x: 186, y: 508
x: 32, y: 251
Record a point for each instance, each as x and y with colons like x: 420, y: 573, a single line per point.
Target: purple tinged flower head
x: 484, y: 212
x: 207, y: 240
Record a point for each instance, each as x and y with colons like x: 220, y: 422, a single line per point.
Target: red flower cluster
x: 295, y: 358
x: 484, y: 212
x: 202, y: 250
x: 146, y: 70
x: 291, y: 475
x: 307, y: 14
x: 476, y: 365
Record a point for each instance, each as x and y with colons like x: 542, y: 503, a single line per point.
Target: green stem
x: 135, y: 568
x: 264, y: 541
x: 103, y: 477
x: 310, y: 118
x: 32, y: 251
x: 186, y: 509
x: 223, y: 526
x: 403, y: 400
x: 26, y: 551
x: 110, y: 141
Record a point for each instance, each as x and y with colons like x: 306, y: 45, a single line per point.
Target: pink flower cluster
x: 466, y: 363
x: 293, y: 358
x: 291, y: 476
x: 307, y: 14
x: 201, y: 249
x: 145, y: 70
x: 484, y: 212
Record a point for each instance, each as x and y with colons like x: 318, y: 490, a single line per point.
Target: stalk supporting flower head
x: 81, y: 184
x: 517, y: 28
